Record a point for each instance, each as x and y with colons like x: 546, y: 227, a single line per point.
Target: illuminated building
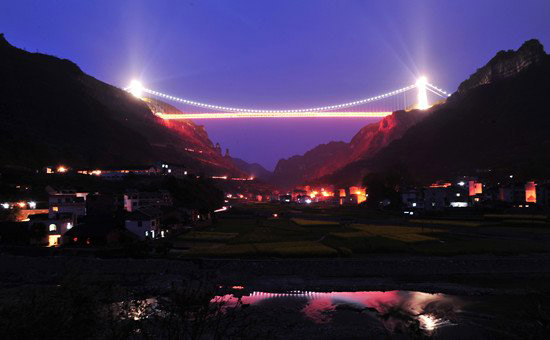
x: 517, y: 193
x: 134, y: 200
x: 361, y: 194
x: 530, y: 192
x: 303, y: 199
x: 52, y: 229
x: 144, y: 222
x: 412, y: 199
x: 474, y: 188
x: 63, y: 203
x: 444, y: 195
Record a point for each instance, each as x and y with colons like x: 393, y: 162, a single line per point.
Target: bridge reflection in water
x: 392, y: 308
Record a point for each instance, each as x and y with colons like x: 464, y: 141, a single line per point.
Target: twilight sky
x: 276, y: 54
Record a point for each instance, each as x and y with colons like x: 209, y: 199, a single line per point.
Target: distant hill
x: 52, y: 113
x: 253, y: 169
x: 498, y: 120
x: 326, y: 159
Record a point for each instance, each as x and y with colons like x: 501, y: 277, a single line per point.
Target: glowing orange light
x: 272, y: 115
x: 61, y: 168
x: 474, y: 188
x: 53, y: 240
x: 439, y: 185
x: 21, y: 204
x: 530, y: 192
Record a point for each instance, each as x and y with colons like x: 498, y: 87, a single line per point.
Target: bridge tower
x: 422, y: 103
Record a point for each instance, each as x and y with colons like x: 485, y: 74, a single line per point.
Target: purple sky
x: 276, y: 54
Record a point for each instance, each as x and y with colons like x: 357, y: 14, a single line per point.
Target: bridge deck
x: 228, y: 115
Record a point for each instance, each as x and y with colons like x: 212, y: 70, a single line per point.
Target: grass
x: 516, y: 221
x: 207, y: 236
x: 235, y: 225
x: 481, y: 246
x: 278, y: 249
x: 295, y: 249
x: 306, y: 222
x: 519, y: 216
x: 390, y: 230
x: 250, y: 235
x: 448, y: 222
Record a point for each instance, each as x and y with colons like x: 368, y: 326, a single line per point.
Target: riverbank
x: 469, y: 274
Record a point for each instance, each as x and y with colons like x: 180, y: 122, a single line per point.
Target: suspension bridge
x: 375, y: 106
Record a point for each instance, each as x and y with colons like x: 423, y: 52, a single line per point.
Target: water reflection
x: 396, y: 310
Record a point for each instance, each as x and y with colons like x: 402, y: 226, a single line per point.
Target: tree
x: 386, y: 185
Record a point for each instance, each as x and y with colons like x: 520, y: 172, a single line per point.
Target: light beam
x: 422, y: 94
x: 136, y: 88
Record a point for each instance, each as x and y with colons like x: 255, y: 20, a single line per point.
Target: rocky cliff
x: 52, y: 113
x: 505, y: 64
x: 498, y: 121
x: 325, y: 159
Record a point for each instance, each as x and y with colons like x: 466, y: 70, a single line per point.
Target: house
x: 441, y: 196
x: 134, y: 200
x: 513, y: 193
x: 303, y: 199
x: 103, y: 204
x: 49, y: 231
x: 67, y: 203
x: 171, y: 169
x: 412, y: 199
x: 145, y: 222
x: 285, y: 198
x: 352, y: 199
x: 98, y: 232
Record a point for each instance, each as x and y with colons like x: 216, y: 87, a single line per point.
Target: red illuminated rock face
x: 325, y: 159
x: 498, y: 121
x: 195, y: 141
x: 54, y: 113
x: 374, y: 137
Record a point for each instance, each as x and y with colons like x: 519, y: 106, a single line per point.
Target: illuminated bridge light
x: 136, y: 88
x: 274, y: 114
x: 290, y: 111
x: 223, y: 112
x: 422, y: 95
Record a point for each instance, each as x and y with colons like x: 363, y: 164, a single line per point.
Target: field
x: 252, y: 232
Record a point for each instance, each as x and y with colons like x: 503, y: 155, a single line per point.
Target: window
x: 55, y: 209
x: 53, y: 240
x: 53, y: 227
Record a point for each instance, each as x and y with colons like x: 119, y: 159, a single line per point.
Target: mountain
x: 498, y: 120
x: 54, y: 113
x: 253, y: 169
x: 326, y: 159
